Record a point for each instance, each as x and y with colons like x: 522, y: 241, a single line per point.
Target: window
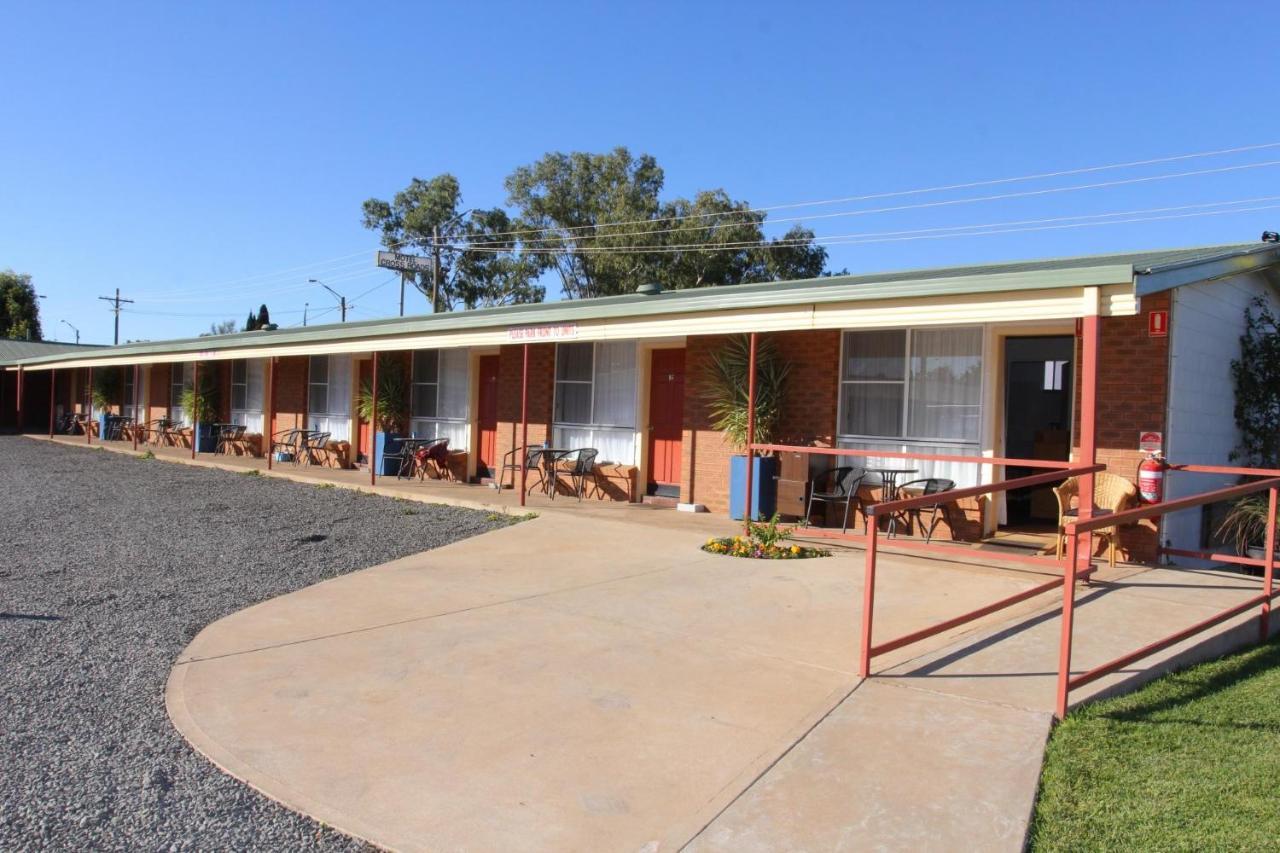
x: 180, y: 377
x: 440, y: 394
x: 127, y: 406
x: 595, y: 399
x: 247, y: 392
x: 914, y: 390
x: 329, y: 395
x: 318, y: 388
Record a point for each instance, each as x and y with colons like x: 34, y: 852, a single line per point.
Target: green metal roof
x: 13, y: 351
x: 1118, y: 268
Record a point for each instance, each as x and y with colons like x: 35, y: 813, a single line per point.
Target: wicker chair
x: 1111, y: 493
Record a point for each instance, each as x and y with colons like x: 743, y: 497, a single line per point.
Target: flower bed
x: 763, y: 541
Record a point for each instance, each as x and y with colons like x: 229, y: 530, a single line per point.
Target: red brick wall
x: 290, y: 394
x: 1133, y: 387
x: 541, y: 394
x: 809, y: 414
x: 158, y: 392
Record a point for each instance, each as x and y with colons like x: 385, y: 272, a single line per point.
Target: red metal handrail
x: 870, y: 651
x: 1067, y: 682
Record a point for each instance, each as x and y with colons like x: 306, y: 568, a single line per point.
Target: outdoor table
x: 549, y: 458
x: 410, y: 446
x: 889, y: 480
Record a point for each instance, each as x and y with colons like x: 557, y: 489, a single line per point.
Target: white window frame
x: 186, y: 371
x: 453, y: 426
x: 906, y: 391
x: 248, y: 415
x: 559, y: 427
x: 127, y: 389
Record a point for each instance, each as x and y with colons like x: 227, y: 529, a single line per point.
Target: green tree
x: 596, y: 219
x: 19, y: 308
x: 577, y: 209
x: 1257, y: 379
x: 477, y: 265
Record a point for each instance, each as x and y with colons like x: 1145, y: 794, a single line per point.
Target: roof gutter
x: 1169, y: 276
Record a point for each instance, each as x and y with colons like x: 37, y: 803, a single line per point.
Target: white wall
x: 1205, y: 325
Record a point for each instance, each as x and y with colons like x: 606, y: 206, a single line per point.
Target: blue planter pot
x: 764, y: 487
x: 384, y: 443
x: 206, y: 440
x: 104, y: 426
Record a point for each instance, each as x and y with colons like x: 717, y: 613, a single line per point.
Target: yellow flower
x: 795, y: 549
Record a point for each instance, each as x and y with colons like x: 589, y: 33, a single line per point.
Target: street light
x: 342, y: 300
x: 74, y: 329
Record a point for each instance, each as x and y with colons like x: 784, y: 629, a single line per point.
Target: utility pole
x: 116, y: 308
x: 401, y: 294
x: 435, y: 268
x: 305, y: 306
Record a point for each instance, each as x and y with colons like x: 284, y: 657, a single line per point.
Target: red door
x: 365, y: 435
x: 666, y: 418
x: 487, y: 451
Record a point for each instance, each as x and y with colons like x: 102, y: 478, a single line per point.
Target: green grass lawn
x: 1189, y: 762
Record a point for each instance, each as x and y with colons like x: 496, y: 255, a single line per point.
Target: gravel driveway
x: 109, y: 565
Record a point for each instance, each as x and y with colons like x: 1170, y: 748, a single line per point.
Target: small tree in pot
x: 200, y: 403
x: 392, y: 410
x: 1257, y: 414
x: 103, y: 394
x: 725, y: 388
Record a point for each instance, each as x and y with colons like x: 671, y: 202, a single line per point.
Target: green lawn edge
x: 1190, y: 761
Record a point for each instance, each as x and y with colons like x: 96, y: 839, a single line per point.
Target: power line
x: 319, y: 266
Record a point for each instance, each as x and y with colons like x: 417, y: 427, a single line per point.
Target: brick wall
x: 290, y: 394
x: 158, y: 392
x: 1133, y: 377
x: 541, y: 393
x: 809, y: 415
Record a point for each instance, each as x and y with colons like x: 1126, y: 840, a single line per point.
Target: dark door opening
x: 1037, y: 419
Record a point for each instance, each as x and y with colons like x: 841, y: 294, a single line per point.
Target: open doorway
x: 1037, y: 420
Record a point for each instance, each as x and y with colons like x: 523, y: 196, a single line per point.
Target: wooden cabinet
x: 796, y: 472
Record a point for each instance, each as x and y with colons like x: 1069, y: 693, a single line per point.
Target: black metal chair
x: 579, y: 471
x: 532, y: 455
x: 312, y: 442
x: 229, y: 435
x: 287, y: 442
x: 927, y: 486
x: 837, y: 486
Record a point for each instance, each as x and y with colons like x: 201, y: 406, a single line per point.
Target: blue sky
x: 207, y: 157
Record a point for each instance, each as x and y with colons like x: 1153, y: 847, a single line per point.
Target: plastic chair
x: 839, y: 485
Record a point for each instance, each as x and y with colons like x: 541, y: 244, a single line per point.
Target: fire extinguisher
x: 1151, y: 478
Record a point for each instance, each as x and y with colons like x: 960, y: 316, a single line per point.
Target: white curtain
x: 180, y: 378
x: 251, y: 416
x: 452, y: 386
x: 336, y: 420
x: 458, y: 433
x: 962, y: 473
x: 945, y: 396
x: 615, y: 384
x: 615, y: 445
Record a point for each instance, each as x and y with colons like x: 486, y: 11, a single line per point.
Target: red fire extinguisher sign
x: 1158, y: 324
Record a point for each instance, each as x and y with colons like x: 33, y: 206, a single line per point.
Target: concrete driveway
x: 580, y: 683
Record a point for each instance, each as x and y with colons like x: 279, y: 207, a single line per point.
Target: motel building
x: 1069, y: 360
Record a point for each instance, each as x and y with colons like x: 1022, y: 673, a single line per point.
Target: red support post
x: 373, y: 425
x: 136, y: 426
x: 53, y: 395
x: 751, y: 429
x: 88, y: 423
x: 524, y: 425
x: 271, y: 410
x: 868, y: 598
x: 1269, y: 567
x: 1089, y: 346
x: 1068, y: 625
x: 195, y: 423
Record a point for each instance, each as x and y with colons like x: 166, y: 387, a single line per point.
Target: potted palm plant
x: 392, y: 411
x: 724, y: 389
x: 201, y: 406
x: 1245, y: 526
x: 103, y: 394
